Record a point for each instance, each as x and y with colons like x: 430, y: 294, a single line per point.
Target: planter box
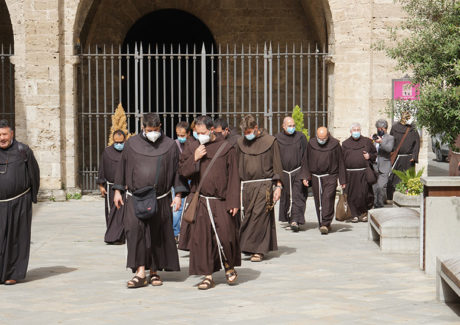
x: 407, y: 201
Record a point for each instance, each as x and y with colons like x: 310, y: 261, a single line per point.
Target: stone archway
x: 7, y: 98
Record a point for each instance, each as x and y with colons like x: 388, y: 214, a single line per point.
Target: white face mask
x: 410, y: 121
x: 204, y: 138
x: 152, y: 136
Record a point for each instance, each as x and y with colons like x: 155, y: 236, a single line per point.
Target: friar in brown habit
x: 260, y: 168
x: 213, y: 239
x: 293, y: 150
x: 359, y: 154
x: 150, y: 159
x: 19, y: 183
x: 325, y: 166
x: 454, y: 159
x: 408, y: 153
x: 115, y: 233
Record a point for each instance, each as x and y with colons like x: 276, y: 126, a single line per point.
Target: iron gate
x: 181, y: 84
x: 6, y: 84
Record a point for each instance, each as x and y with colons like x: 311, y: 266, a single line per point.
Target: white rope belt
x: 17, y: 196
x: 320, y: 196
x: 456, y: 152
x: 108, y: 195
x: 158, y: 197
x: 397, y: 158
x: 220, y: 248
x: 241, y: 192
x: 355, y: 169
x: 290, y: 188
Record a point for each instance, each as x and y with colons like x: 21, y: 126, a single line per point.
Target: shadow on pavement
x: 46, y: 272
x: 175, y: 276
x: 282, y: 250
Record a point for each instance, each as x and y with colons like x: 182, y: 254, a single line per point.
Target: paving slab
x: 341, y: 278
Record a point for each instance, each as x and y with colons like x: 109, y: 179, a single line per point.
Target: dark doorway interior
x: 167, y: 31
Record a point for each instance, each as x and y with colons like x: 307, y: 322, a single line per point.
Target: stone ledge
x: 51, y: 195
x: 444, y: 181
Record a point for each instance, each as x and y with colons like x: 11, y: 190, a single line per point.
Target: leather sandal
x: 257, y: 257
x: 206, y: 284
x: 10, y: 282
x: 231, y: 276
x: 137, y: 282
x: 363, y: 217
x: 155, y: 280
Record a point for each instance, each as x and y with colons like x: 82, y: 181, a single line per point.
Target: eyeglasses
x: 3, y: 171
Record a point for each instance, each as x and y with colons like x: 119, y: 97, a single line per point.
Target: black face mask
x: 380, y: 133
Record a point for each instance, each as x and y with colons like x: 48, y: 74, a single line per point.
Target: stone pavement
x: 342, y: 278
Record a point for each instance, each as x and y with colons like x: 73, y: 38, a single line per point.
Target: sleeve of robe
x: 233, y: 187
x: 416, y: 146
x: 120, y: 179
x: 304, y: 172
x: 372, y: 153
x: 33, y: 171
x: 388, y: 144
x: 277, y: 166
x: 305, y: 168
x: 342, y: 170
x: 187, y: 164
x: 101, y: 176
x: 180, y: 183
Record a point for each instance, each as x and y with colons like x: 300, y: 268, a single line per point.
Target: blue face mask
x: 195, y: 135
x: 290, y: 130
x: 250, y: 136
x: 119, y: 146
x: 182, y: 139
x: 355, y: 134
x: 322, y: 142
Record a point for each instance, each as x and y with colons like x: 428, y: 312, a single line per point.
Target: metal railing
x: 183, y: 83
x: 6, y: 84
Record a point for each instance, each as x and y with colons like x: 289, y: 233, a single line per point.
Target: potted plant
x: 409, y: 189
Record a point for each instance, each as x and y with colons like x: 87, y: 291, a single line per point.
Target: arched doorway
x: 7, y: 103
x: 166, y: 36
x: 246, y: 74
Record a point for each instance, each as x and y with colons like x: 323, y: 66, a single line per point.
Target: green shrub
x: 410, y: 181
x: 297, y: 116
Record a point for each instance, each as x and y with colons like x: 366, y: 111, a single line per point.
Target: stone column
x: 38, y: 84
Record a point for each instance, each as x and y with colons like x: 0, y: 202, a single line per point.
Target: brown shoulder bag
x: 394, y: 154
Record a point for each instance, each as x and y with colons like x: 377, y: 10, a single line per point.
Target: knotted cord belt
x: 220, y: 248
x: 17, y: 196
x: 320, y: 196
x: 290, y: 188
x: 241, y: 192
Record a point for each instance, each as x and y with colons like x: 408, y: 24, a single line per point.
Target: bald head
x: 322, y: 135
x: 289, y: 125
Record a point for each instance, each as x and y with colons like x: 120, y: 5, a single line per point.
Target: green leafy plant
x: 74, y: 196
x: 426, y: 45
x: 410, y: 183
x: 297, y: 116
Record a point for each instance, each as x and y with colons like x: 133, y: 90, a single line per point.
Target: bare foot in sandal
x: 206, y: 284
x: 257, y: 257
x: 231, y: 276
x: 137, y: 282
x: 155, y: 280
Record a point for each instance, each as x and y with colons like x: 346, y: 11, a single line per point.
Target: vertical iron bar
x: 234, y: 82
x: 97, y: 105
x: 171, y: 69
x: 111, y: 78
x: 194, y: 80
x: 187, y: 98
x: 136, y: 88
x: 157, y: 91
x: 140, y: 62
x: 120, y: 97
x: 220, y: 80
x: 82, y: 116
x: 203, y: 80
x: 90, y: 133
x: 242, y: 78
x: 149, y: 67
x: 316, y: 85
x: 227, y: 57
x: 212, y: 82
x: 179, y: 97
x: 293, y: 77
x: 105, y: 97
x: 163, y: 58
x: 278, y: 87
x: 249, y: 79
x: 308, y: 89
x: 257, y: 84
x: 286, y: 79
x: 128, y: 108
x: 265, y: 86
x: 301, y: 77
x: 270, y: 89
x: 324, y: 86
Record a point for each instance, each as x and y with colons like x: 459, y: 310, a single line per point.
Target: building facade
x: 52, y: 90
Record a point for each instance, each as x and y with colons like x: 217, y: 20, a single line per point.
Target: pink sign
x: 405, y: 90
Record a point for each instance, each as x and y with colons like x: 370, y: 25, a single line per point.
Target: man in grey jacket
x: 384, y: 144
